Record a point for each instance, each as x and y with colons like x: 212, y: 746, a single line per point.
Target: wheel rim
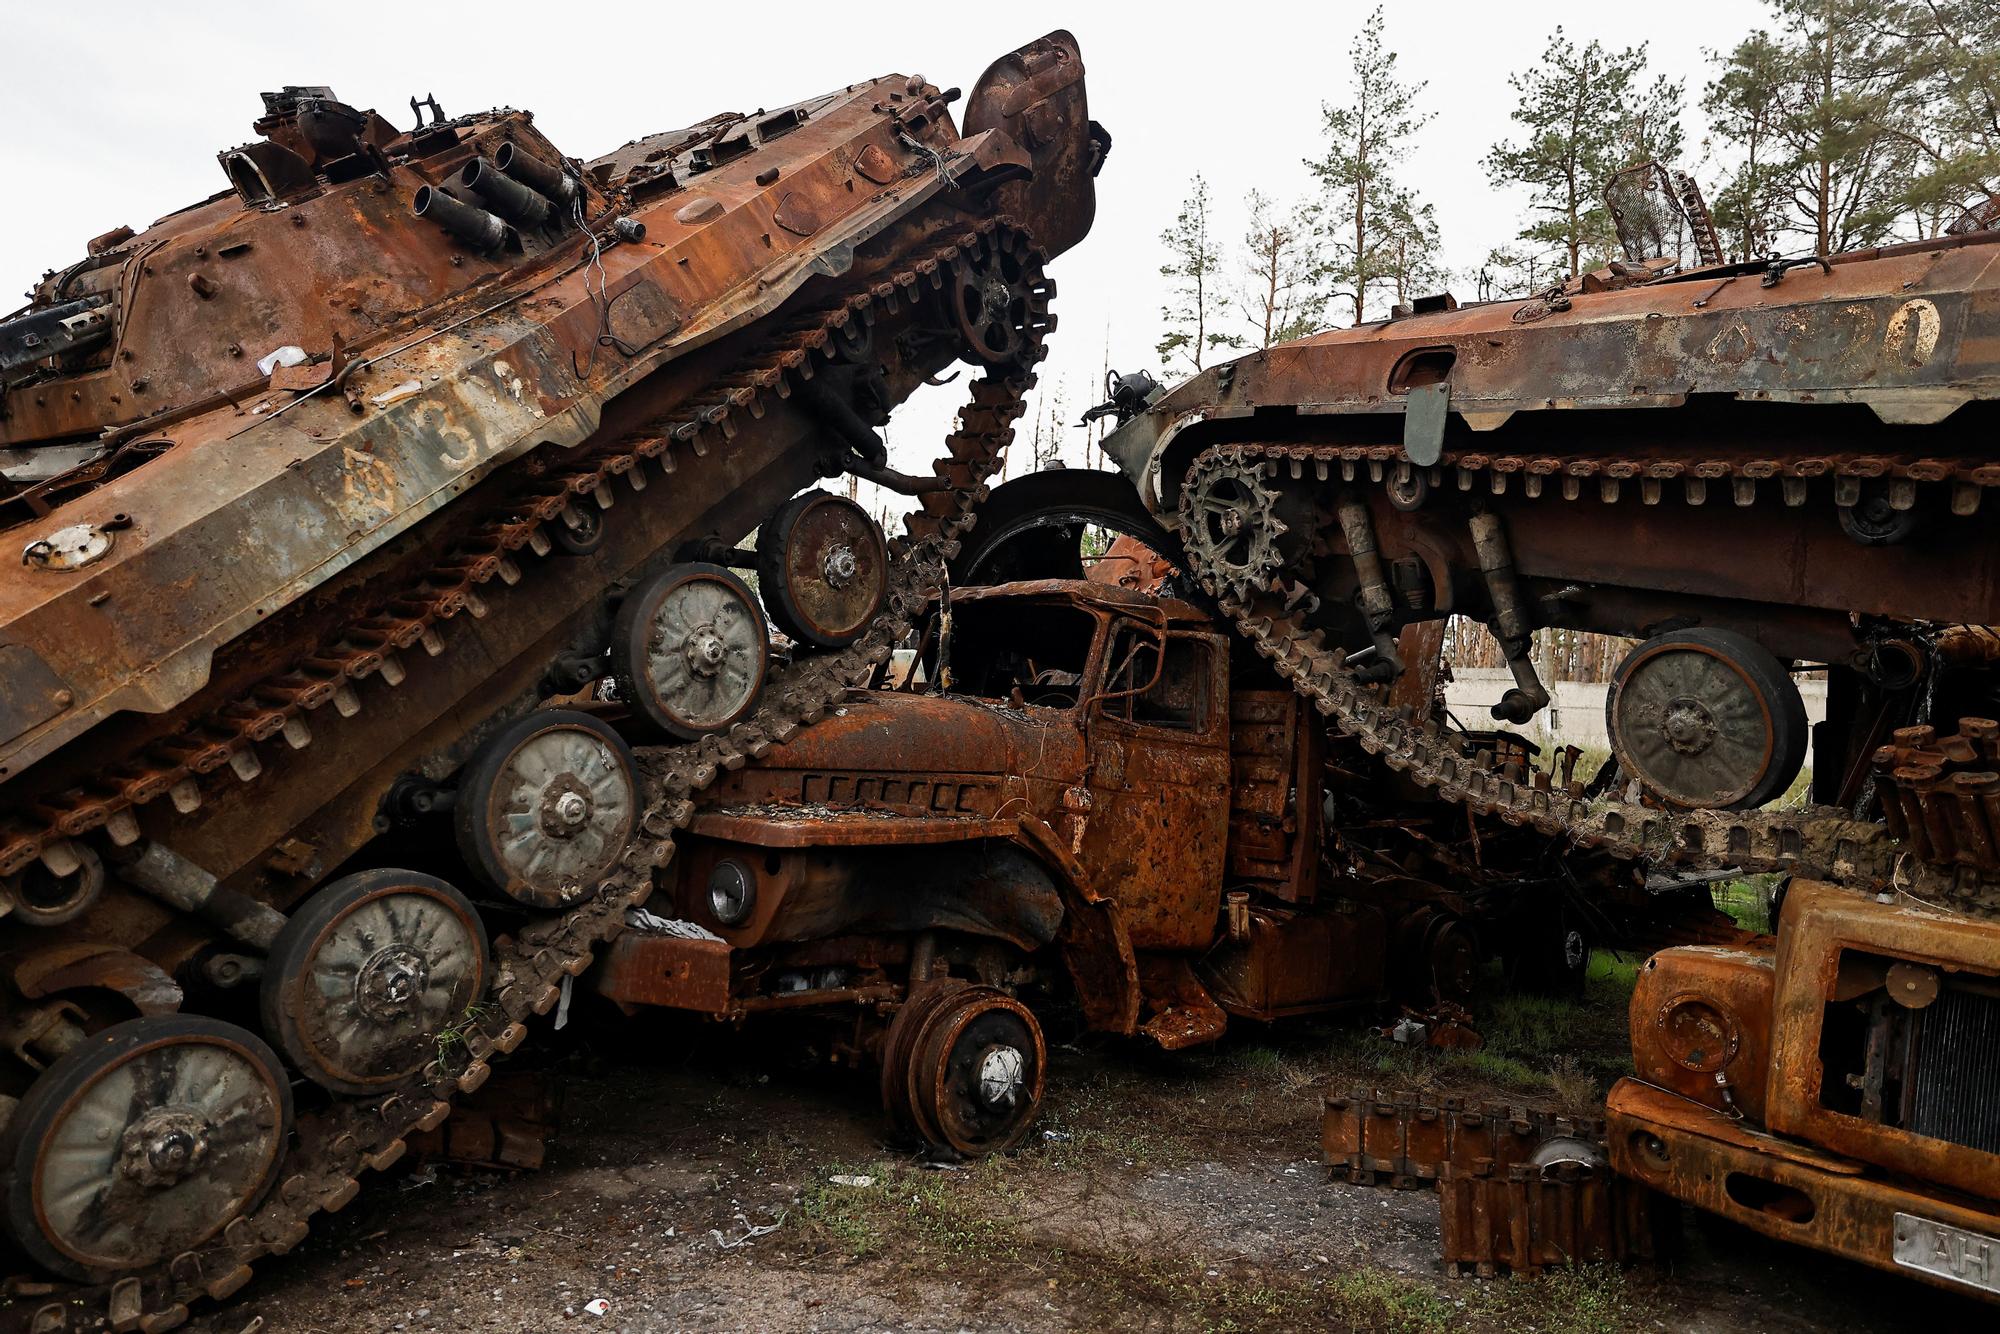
x: 829, y: 572
x: 166, y: 1130
x: 1701, y: 726
x: 977, y: 1073
x: 560, y: 805
x: 379, y: 967
x: 990, y: 303
x: 702, y: 660
x: 900, y: 1047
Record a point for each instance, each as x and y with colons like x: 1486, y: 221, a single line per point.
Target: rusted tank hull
x: 281, y: 656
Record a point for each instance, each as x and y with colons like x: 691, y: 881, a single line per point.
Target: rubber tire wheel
x: 1541, y: 960
x: 628, y: 646
x: 68, y: 1076
x: 1764, y: 674
x: 287, y: 957
x: 470, y: 815
x: 1030, y: 514
x: 773, y: 582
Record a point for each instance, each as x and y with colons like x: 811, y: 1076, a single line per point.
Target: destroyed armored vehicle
x: 1756, y: 469
x: 322, y: 485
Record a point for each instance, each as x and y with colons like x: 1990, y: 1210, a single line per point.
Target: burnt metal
x: 1833, y: 1089
x: 267, y: 647
x: 1519, y: 1191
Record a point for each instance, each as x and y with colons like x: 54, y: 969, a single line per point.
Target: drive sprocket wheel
x: 823, y: 567
x: 546, y: 807
x: 369, y: 974
x: 999, y: 299
x: 689, y: 650
x: 1231, y: 527
x: 142, y: 1142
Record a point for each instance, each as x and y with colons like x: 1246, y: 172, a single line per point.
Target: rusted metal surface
x: 1525, y: 1219
x: 1799, y: 1194
x: 672, y: 971
x: 469, y: 440
x: 1833, y: 1091
x: 1073, y: 816
x: 1518, y: 1191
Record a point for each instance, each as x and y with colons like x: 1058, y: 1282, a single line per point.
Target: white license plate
x: 1971, y: 1258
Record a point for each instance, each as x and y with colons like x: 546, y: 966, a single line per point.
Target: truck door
x: 1158, y: 752
x: 1275, y: 750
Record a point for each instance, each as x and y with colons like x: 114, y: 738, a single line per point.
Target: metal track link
x: 1818, y: 842
x: 334, y: 1147
x: 1500, y: 1210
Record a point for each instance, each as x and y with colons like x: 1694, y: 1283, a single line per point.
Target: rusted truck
x: 1834, y: 1087
x: 319, y: 488
x: 1101, y: 799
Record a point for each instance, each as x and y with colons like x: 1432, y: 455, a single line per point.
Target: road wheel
x: 689, y: 650
x: 546, y: 808
x: 142, y: 1142
x: 1706, y: 719
x: 823, y: 568
x: 369, y: 974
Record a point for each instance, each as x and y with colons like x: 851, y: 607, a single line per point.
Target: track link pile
x: 1270, y: 608
x: 333, y: 1147
x: 1518, y: 1191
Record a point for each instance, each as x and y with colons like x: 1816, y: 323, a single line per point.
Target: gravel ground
x: 692, y: 1189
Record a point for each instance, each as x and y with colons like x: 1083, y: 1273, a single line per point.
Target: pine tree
x: 1192, y: 315
x: 1366, y: 138
x: 1837, y: 89
x: 1278, y: 284
x: 1586, y: 115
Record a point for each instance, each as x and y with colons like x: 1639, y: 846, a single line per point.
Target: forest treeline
x: 1836, y: 125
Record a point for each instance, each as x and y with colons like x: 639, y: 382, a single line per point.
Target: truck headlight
x: 1698, y: 1032
x: 732, y: 892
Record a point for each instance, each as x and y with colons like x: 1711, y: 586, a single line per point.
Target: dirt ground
x: 692, y: 1187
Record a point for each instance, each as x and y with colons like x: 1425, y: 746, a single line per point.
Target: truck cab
x: 1075, y: 793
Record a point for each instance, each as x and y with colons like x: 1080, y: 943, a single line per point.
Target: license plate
x: 1971, y: 1258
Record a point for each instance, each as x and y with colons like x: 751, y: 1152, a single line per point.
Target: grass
x: 977, y: 1222
x: 957, y: 1224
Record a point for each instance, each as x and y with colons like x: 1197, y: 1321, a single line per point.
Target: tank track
x: 1500, y: 1210
x: 332, y: 1148
x: 1818, y: 842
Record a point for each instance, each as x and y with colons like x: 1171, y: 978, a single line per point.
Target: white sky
x: 116, y: 109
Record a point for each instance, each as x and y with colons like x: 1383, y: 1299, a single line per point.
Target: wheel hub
x: 1688, y: 726
x: 840, y: 566
x: 388, y: 985
x: 566, y: 807
x: 1001, y: 1072
x: 164, y: 1147
x: 706, y: 652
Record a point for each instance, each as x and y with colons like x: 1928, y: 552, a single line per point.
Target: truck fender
x: 1096, y: 947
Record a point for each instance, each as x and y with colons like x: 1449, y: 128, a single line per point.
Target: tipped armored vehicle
x: 1756, y: 469
x: 324, y: 486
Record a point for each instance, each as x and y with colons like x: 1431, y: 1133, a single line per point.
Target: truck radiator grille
x: 1956, y: 1097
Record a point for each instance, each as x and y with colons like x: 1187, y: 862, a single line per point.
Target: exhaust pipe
x: 504, y: 195
x: 557, y: 185
x: 475, y: 226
